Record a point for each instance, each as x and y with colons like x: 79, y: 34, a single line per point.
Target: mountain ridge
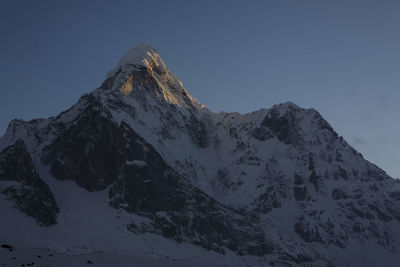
x: 276, y: 183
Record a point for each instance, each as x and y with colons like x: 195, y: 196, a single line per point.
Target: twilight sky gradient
x: 341, y: 57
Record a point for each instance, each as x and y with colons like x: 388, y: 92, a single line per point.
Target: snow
x: 285, y: 107
x: 143, y: 55
x: 235, y: 169
x: 46, y: 257
x: 101, y: 237
x: 139, y: 55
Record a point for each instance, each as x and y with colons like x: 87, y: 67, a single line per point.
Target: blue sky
x: 340, y: 57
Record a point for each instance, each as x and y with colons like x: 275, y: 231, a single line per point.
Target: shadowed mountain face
x: 22, y: 185
x: 99, y: 154
x: 278, y: 182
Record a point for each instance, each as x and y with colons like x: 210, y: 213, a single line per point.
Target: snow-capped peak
x: 149, y: 158
x: 142, y: 55
x: 141, y: 68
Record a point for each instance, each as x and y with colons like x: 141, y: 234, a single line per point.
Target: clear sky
x: 340, y: 57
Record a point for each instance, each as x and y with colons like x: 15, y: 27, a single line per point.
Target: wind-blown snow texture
x: 139, y: 167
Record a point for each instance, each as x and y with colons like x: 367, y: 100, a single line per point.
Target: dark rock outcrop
x: 30, y: 193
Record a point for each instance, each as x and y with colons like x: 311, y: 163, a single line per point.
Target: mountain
x: 139, y: 167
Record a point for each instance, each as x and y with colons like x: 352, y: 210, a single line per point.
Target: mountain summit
x: 139, y: 166
x: 142, y: 69
x: 142, y: 55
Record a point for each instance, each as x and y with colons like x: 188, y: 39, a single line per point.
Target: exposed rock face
x: 29, y: 192
x: 89, y: 151
x: 277, y: 181
x: 96, y: 153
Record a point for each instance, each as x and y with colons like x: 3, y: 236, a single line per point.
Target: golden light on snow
x: 154, y: 58
x: 127, y: 86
